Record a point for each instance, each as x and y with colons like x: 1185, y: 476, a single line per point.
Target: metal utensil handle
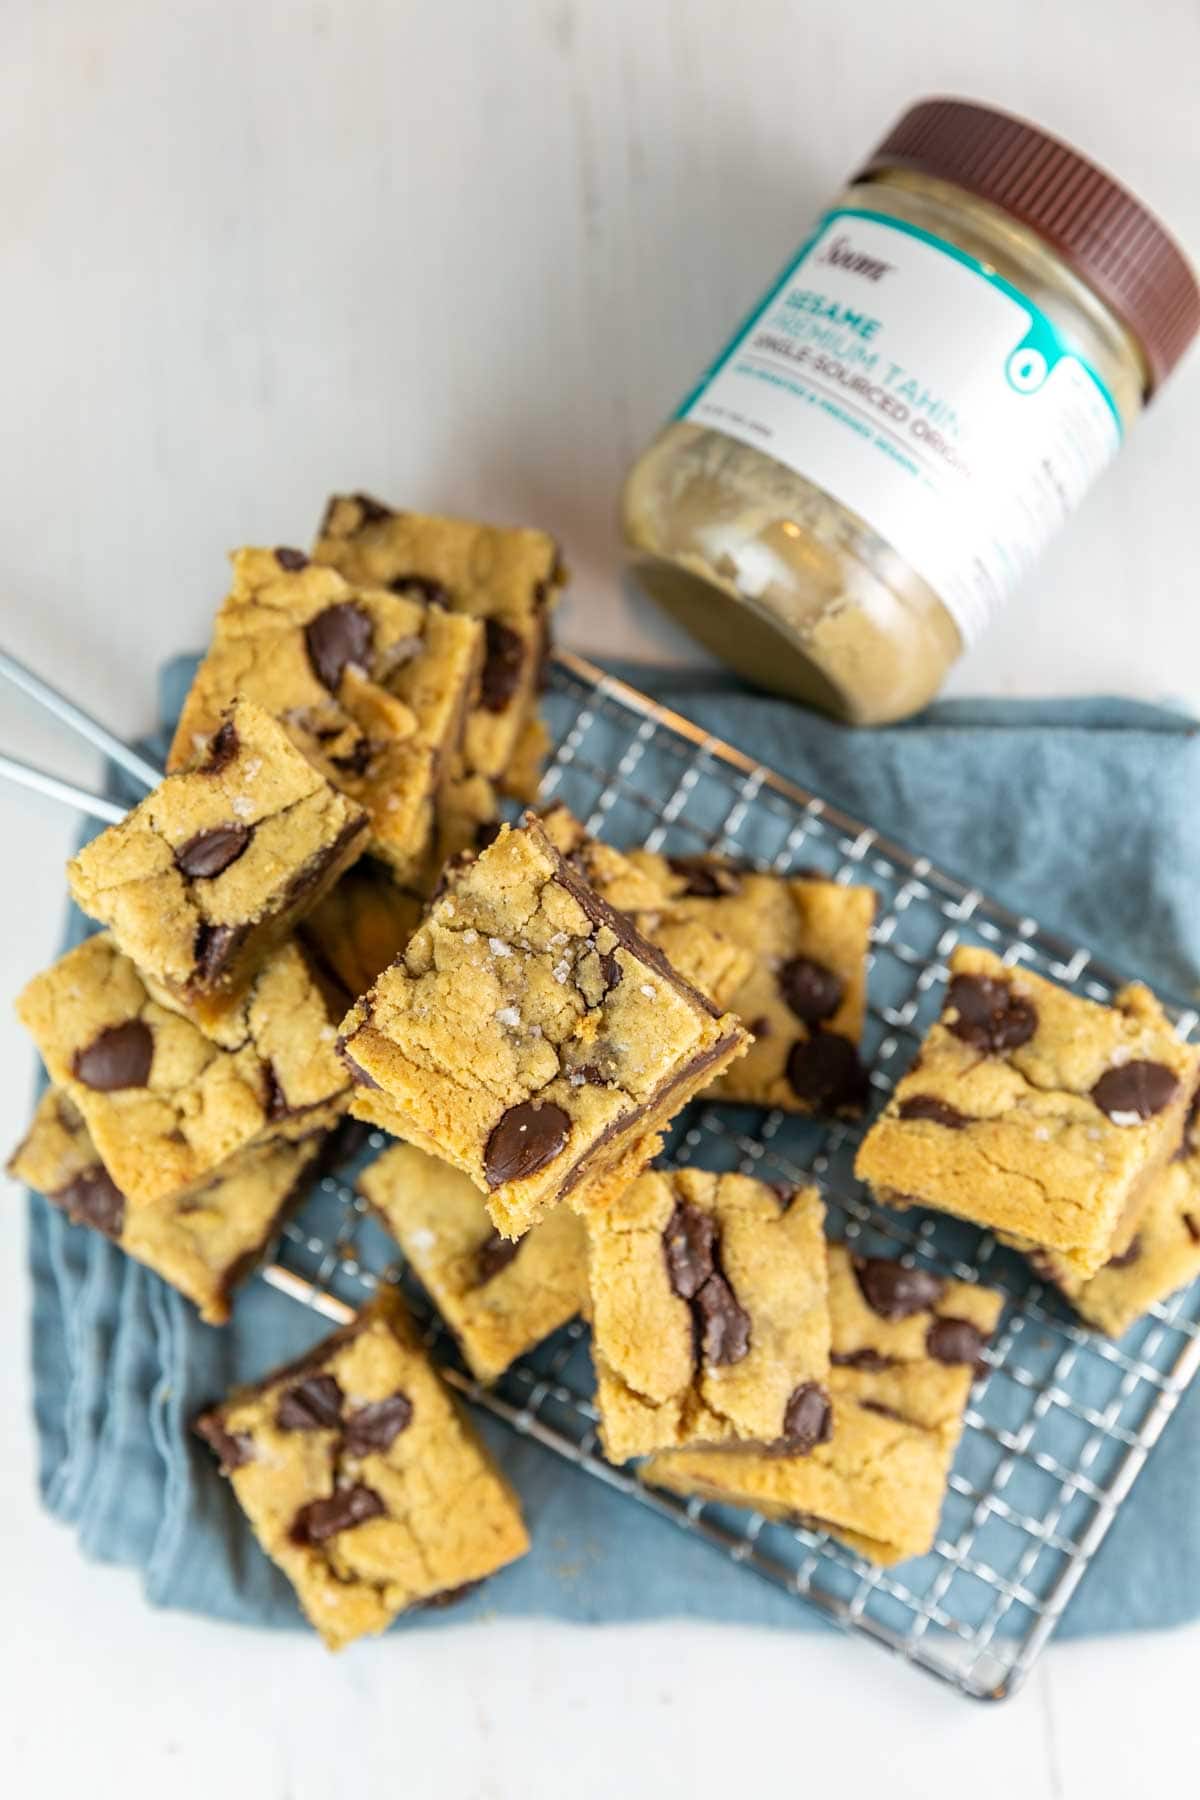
x: 24, y: 775
x: 81, y: 723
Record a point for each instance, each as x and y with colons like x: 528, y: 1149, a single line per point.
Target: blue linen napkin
x: 1085, y: 811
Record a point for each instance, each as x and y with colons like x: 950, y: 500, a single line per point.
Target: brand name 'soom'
x: 842, y: 254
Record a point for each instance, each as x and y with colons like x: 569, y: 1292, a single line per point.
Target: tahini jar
x: 869, y: 467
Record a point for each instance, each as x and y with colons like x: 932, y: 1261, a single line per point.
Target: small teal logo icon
x: 1026, y: 369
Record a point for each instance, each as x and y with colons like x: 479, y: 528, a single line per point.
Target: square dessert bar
x: 508, y: 579
x: 212, y: 869
x: 203, y: 1243
x: 498, y: 1298
x: 360, y: 926
x: 529, y: 1036
x: 373, y: 687
x: 1035, y: 1112
x: 1161, y: 1256
x: 363, y: 1480
x: 716, y: 965
x: 164, y: 1103
x: 803, y: 1000
x: 906, y: 1349
x: 710, y: 1314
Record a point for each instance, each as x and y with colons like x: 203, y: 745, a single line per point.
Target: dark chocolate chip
x: 235, y: 1448
x: 812, y: 991
x: 592, y: 1074
x: 373, y: 511
x: 525, y: 1139
x: 93, y: 1198
x: 989, y: 1016
x: 223, y: 746
x: 935, y: 1111
x: 893, y: 1291
x: 610, y: 970
x: 377, y: 1425
x: 488, y: 832
x: 291, y: 560
x: 449, y: 1597
x: 873, y: 1361
x: 824, y: 1071
x: 342, y: 1511
x: 356, y: 761
x: 1127, y: 1257
x: 689, y: 1244
x: 339, y: 635
x: 495, y: 1253
x: 119, y: 1058
x: 215, y: 947
x: 807, y: 1418
x: 955, y: 1341
x: 706, y: 877
x: 1189, y: 1127
x: 503, y: 661
x: 760, y: 1027
x: 435, y: 593
x: 1191, y: 1224
x: 314, y: 1404
x: 784, y: 1191
x: 724, y: 1325
x: 209, y: 853
x: 1136, y: 1090
x: 885, y: 1412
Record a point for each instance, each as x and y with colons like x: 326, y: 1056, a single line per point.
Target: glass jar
x: 864, y: 474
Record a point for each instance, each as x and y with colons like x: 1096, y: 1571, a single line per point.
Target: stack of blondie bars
x: 319, y: 915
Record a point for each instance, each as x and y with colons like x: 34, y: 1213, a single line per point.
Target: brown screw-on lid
x: 1095, y: 225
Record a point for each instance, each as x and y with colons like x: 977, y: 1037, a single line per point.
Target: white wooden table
x: 468, y: 255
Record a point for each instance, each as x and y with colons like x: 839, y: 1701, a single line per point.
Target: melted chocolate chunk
x: 223, y: 746
x: 1189, y: 1126
x: 120, y: 1057
x: 1191, y: 1224
x: 357, y: 1073
x: 434, y: 593
x: 93, y: 1198
x: 356, y: 761
x: 990, y: 1017
x: 784, y: 1191
x: 1127, y: 1257
x: 760, y: 1027
x: 342, y: 1511
x: 215, y: 947
x: 824, y: 1071
x: 873, y: 1361
x: 689, y: 1244
x: 503, y: 661
x: 525, y: 1139
x: 807, y: 1418
x: 935, y: 1111
x: 610, y: 970
x: 291, y: 560
x: 372, y: 512
x: 235, y: 1448
x: 724, y: 1325
x: 495, y: 1253
x: 706, y: 877
x: 893, y: 1291
x: 341, y: 634
x: 449, y: 1597
x: 812, y: 991
x: 211, y: 852
x: 955, y: 1341
x: 1135, y: 1090
x: 314, y: 1404
x: 374, y: 1427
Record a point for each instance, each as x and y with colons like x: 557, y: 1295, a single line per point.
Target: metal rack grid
x: 1059, y: 1429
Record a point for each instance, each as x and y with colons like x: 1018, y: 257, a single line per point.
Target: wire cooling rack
x: 1059, y: 1429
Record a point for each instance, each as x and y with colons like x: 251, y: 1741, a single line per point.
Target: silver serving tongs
x: 144, y: 772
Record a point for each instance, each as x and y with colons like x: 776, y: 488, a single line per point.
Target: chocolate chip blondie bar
x: 210, y: 872
x: 508, y: 579
x: 803, y: 999
x: 165, y: 1104
x: 372, y: 687
x: 203, y: 1243
x: 363, y: 1480
x: 1035, y: 1112
x: 710, y: 1314
x: 906, y: 1349
x: 499, y: 1298
x: 531, y: 1037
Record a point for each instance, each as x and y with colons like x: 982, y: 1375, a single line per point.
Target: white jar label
x: 923, y: 392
